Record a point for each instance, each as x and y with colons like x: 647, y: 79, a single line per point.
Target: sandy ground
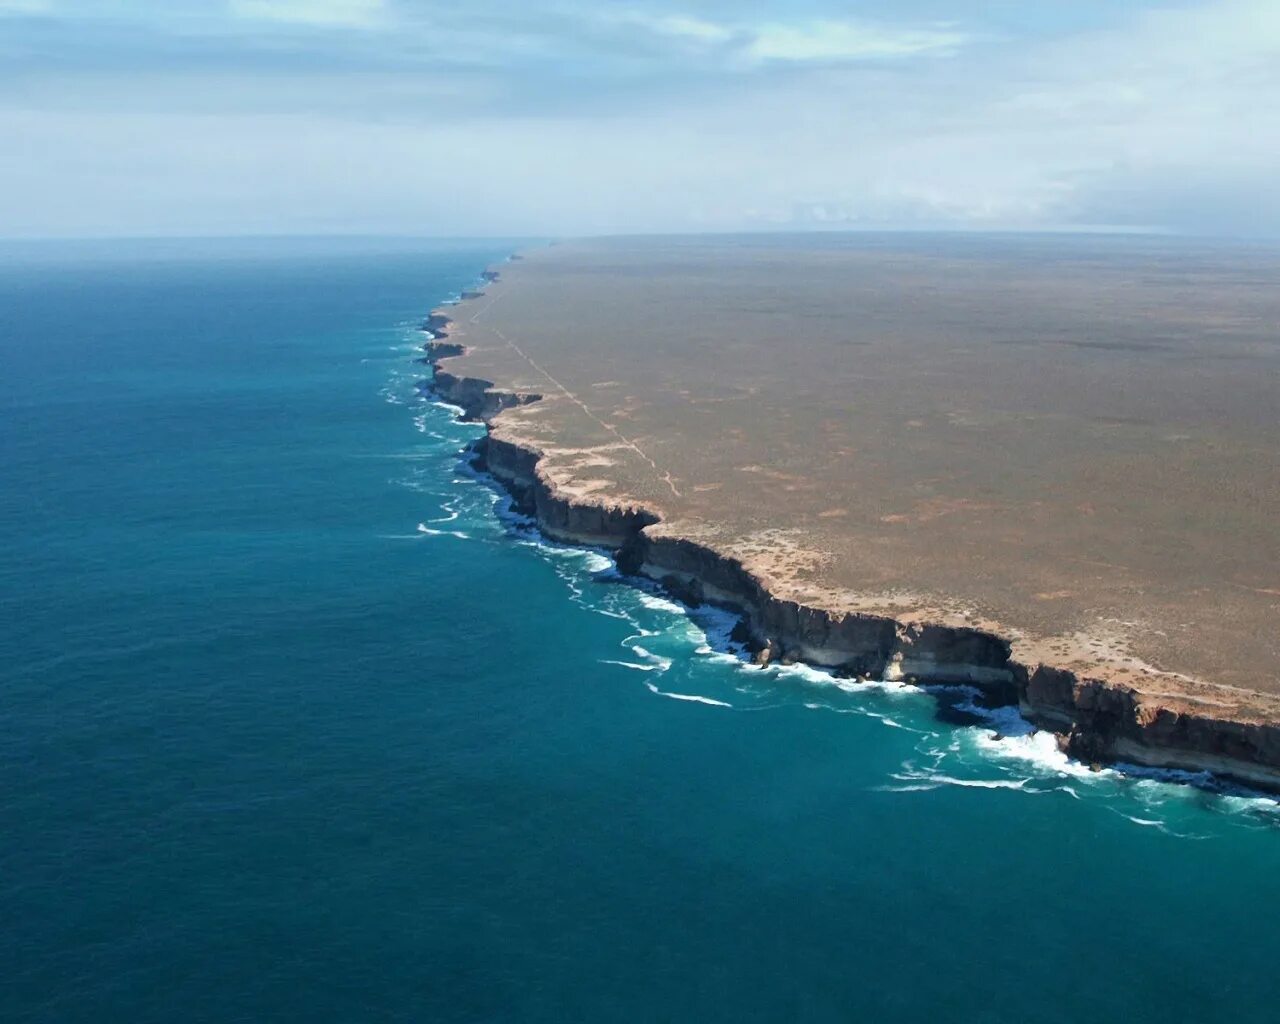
x: 1074, y: 441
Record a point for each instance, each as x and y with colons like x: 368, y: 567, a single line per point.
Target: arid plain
x: 1071, y: 442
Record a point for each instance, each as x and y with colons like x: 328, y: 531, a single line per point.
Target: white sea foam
x: 861, y: 712
x: 885, y: 687
x: 610, y: 613
x: 659, y: 661
x: 689, y: 697
x: 431, y: 531
x: 630, y: 664
x: 1038, y: 748
x: 726, y: 658
x: 1262, y: 803
x: 715, y: 622
x: 660, y: 604
x: 598, y: 562
x: 401, y: 457
x: 1004, y: 719
x: 934, y: 779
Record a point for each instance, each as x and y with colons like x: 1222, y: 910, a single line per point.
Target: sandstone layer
x: 1044, y: 468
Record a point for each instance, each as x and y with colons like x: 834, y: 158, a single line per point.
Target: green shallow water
x: 297, y: 724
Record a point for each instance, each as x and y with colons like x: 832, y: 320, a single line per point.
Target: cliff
x: 1096, y: 720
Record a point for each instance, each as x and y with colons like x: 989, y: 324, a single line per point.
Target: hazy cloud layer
x: 127, y: 116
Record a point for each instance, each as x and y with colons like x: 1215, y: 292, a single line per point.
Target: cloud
x: 822, y: 40
x: 847, y: 40
x: 562, y: 117
x: 680, y: 26
x: 22, y: 7
x: 323, y: 13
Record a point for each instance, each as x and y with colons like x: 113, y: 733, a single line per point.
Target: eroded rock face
x: 436, y: 323
x: 513, y: 464
x: 565, y: 518
x: 579, y: 522
x: 767, y: 654
x: 686, y: 589
x: 1102, y: 722
x: 853, y: 643
x: 477, y: 398
x: 437, y: 350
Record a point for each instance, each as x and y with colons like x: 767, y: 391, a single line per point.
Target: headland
x: 1046, y: 468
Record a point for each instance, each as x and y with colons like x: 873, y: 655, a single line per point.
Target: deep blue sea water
x: 297, y: 725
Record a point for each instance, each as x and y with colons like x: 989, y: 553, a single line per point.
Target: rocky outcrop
x: 1097, y: 721
x: 476, y: 397
x: 566, y: 518
x: 436, y: 350
x: 435, y: 324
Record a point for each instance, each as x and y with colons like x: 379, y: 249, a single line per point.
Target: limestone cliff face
x: 854, y: 643
x: 437, y: 350
x: 1095, y: 720
x: 477, y: 398
x: 565, y: 518
x: 513, y: 464
x: 436, y: 322
x: 851, y: 643
x: 1100, y: 721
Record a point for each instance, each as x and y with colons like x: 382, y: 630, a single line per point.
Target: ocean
x: 299, y: 722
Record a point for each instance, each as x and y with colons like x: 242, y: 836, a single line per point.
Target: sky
x: 523, y: 117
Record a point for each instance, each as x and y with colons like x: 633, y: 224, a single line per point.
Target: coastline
x: 1096, y: 720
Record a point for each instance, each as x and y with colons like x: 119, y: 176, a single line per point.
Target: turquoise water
x: 297, y: 724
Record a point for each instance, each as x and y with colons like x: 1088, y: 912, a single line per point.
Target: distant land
x: 1046, y: 467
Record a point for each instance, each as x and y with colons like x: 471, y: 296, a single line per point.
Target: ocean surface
x: 299, y: 723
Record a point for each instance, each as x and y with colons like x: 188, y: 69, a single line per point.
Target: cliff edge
x: 627, y: 452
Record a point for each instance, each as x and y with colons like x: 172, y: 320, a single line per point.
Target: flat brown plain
x: 1073, y: 441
